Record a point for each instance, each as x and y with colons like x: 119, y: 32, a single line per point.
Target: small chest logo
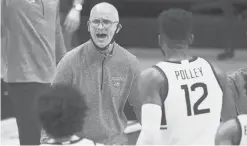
x: 117, y: 85
x: 116, y: 81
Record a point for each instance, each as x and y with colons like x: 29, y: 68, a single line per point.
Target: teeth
x: 101, y: 35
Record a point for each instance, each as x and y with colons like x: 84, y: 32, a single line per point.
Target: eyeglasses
x: 105, y: 23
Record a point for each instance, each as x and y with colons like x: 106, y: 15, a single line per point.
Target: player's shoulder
x: 215, y: 67
x: 220, y: 75
x: 152, y: 75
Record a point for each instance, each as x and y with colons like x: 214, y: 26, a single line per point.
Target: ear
x: 88, y: 26
x: 119, y: 27
x: 191, y: 39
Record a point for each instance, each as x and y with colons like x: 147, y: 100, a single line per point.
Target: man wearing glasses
x: 106, y: 74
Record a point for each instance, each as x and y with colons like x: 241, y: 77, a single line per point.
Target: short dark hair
x: 61, y: 111
x: 176, y: 24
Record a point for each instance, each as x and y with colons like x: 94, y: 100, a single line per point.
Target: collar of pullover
x: 105, y: 53
x: 95, y: 55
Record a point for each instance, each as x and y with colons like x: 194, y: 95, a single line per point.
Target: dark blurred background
x: 212, y: 28
x: 138, y: 18
x: 213, y: 25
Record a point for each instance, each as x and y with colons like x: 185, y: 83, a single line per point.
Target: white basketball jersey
x: 243, y: 123
x: 193, y: 103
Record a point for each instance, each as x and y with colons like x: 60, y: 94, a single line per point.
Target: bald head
x: 104, y: 10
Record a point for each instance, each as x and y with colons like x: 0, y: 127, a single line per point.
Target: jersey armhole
x: 164, y: 97
x: 165, y: 83
x: 216, y: 76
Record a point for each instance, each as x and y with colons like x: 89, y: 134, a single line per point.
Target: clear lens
x: 105, y: 23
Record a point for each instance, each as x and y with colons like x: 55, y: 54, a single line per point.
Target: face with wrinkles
x: 103, y: 24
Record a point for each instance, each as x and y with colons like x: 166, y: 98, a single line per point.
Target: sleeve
x: 134, y: 96
x: 60, y: 46
x: 64, y: 73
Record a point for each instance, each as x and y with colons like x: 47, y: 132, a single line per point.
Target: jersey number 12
x: 198, y: 102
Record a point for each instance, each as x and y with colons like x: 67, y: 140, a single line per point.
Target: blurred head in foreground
x: 61, y: 111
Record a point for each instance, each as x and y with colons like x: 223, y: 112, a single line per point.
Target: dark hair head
x: 61, y: 111
x: 176, y: 24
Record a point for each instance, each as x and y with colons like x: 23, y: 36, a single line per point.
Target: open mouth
x: 101, y: 36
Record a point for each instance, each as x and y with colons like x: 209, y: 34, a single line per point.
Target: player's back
x: 192, y: 107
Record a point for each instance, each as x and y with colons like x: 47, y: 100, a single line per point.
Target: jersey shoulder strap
x: 161, y: 70
x: 215, y: 73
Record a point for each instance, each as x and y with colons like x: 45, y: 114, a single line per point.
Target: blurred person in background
x: 70, y: 16
x: 34, y: 45
x: 229, y: 22
x: 229, y: 12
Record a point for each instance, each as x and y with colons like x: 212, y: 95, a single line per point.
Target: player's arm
x: 229, y: 106
x: 150, y: 84
x: 229, y: 133
x: 60, y: 46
